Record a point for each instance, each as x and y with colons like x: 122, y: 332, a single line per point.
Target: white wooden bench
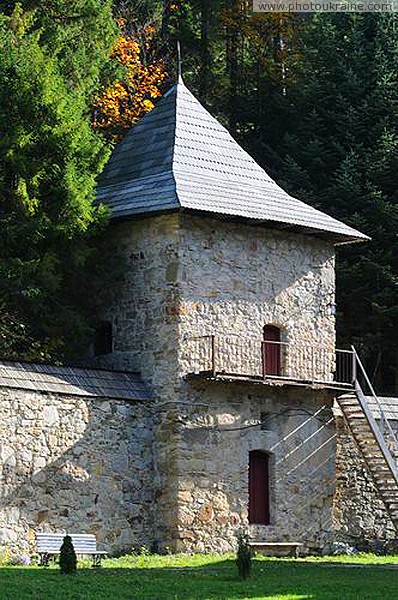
x: 277, y: 548
x: 49, y: 545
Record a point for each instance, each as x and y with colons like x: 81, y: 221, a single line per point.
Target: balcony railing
x: 246, y: 357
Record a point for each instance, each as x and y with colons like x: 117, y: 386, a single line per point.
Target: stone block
x: 205, y: 513
x: 50, y: 416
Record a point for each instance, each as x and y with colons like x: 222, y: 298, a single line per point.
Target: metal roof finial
x: 179, y: 75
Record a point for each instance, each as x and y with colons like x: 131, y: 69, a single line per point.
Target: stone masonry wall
x: 192, y: 276
x: 143, y: 306
x: 144, y: 310
x: 73, y: 464
x: 219, y: 425
x: 176, y: 471
x: 234, y: 279
x: 188, y: 277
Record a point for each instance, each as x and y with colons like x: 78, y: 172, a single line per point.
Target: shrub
x: 67, y: 557
x: 243, y: 555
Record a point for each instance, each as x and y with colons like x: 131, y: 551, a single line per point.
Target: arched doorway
x: 259, y: 496
x: 271, y: 350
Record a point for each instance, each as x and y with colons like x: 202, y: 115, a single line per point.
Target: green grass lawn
x: 208, y: 577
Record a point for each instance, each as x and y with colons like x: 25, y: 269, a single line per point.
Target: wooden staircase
x: 377, y: 443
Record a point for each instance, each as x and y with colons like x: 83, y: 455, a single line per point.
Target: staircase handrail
x: 379, y: 437
x: 383, y: 418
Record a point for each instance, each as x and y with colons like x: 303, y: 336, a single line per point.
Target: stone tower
x: 227, y: 311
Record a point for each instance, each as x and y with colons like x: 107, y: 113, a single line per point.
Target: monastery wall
x: 188, y: 277
x: 73, y: 464
x: 84, y: 465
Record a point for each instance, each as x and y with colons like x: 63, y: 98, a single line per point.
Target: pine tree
x: 67, y: 557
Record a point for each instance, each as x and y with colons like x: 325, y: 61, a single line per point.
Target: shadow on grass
x: 270, y: 580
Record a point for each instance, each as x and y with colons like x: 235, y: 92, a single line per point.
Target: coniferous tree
x: 315, y: 103
x: 67, y: 557
x: 51, y: 56
x: 340, y: 154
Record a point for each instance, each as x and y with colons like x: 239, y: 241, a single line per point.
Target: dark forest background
x: 313, y: 98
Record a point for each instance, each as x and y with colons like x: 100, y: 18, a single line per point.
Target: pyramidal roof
x: 179, y: 157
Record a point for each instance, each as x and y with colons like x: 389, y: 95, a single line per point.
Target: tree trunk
x: 165, y: 19
x: 205, y: 47
x: 232, y: 70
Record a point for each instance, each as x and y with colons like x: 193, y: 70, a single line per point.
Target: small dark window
x: 259, y: 488
x: 103, y: 343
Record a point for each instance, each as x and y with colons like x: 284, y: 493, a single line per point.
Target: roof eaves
x: 337, y: 239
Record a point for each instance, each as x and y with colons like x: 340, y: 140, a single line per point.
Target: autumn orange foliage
x: 121, y: 104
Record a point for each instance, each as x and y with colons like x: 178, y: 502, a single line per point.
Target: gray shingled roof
x: 72, y: 380
x: 179, y: 157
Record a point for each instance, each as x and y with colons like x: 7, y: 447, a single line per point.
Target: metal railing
x: 364, y: 387
x: 249, y: 357
x: 259, y: 359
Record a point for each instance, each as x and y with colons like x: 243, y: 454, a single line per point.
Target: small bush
x: 67, y: 557
x: 244, y: 555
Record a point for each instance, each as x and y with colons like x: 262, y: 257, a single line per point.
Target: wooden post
x: 354, y: 367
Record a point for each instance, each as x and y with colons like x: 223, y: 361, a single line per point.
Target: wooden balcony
x: 230, y: 357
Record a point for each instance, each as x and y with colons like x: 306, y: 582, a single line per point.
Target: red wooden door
x: 258, y: 488
x: 271, y: 350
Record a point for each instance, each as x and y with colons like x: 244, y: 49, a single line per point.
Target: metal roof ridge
x: 176, y: 87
